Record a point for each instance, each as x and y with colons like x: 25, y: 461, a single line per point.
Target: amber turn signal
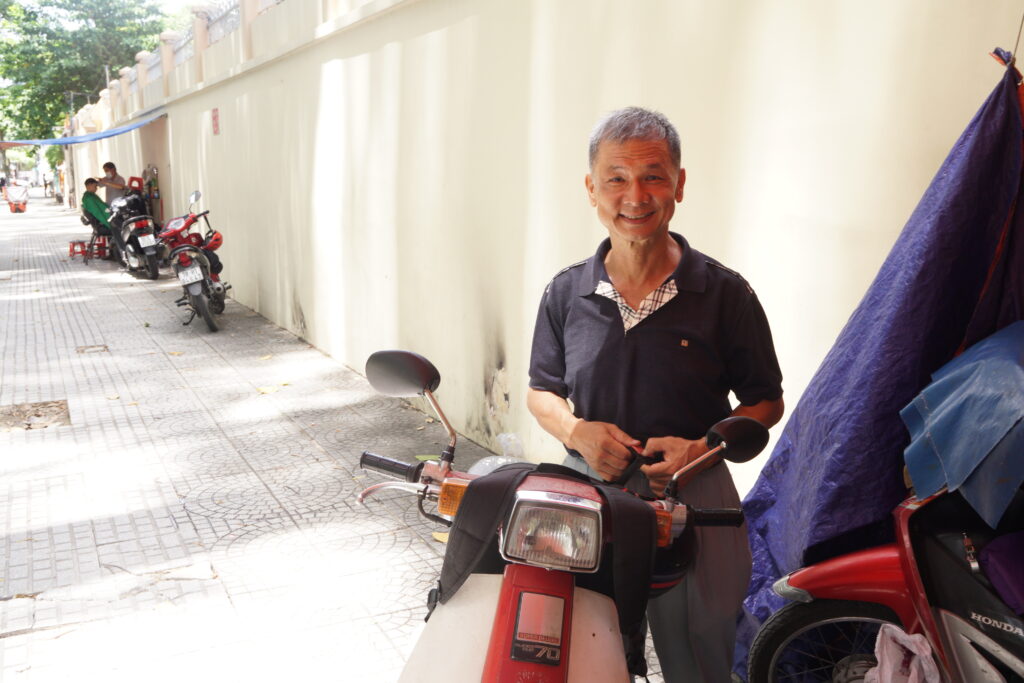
x: 452, y: 491
x: 664, y: 520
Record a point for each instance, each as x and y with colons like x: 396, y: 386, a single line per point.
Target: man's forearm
x: 552, y: 413
x: 767, y: 413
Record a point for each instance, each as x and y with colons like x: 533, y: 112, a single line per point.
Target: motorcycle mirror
x: 194, y: 197
x: 401, y: 373
x: 744, y: 438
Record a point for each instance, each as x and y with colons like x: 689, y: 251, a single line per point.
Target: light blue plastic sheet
x: 966, y: 426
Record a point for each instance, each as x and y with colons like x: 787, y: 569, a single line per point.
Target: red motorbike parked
x: 545, y: 569
x: 196, y: 265
x: 929, y: 581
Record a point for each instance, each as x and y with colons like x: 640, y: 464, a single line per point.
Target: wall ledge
x: 325, y: 31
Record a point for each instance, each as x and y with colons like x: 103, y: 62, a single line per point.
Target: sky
x: 177, y: 7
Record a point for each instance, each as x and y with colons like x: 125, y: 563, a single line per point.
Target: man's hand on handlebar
x: 604, y: 447
x: 678, y: 453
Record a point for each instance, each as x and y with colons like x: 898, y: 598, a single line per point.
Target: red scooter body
x: 564, y: 544
x: 195, y: 265
x: 927, y: 582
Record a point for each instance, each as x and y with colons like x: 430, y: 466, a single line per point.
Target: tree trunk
x: 4, y: 166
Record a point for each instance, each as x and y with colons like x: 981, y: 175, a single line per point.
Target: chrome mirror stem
x: 449, y: 454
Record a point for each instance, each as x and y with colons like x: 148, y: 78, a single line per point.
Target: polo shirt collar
x: 691, y: 274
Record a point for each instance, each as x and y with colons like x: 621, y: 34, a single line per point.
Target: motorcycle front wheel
x: 202, y: 307
x: 823, y: 640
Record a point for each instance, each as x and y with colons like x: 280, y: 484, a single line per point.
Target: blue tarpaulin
x: 965, y: 427
x: 109, y: 133
x: 953, y: 277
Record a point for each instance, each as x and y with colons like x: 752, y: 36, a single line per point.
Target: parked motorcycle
x: 929, y: 582
x: 545, y: 569
x: 134, y: 234
x: 196, y: 265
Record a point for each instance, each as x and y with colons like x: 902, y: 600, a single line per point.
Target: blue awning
x: 109, y: 133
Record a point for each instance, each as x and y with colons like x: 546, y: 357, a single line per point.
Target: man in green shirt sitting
x: 94, y: 206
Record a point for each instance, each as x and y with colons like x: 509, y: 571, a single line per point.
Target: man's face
x: 635, y: 186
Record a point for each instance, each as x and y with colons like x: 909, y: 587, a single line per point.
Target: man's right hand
x: 604, y: 447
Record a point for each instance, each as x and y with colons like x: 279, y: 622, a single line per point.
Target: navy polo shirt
x: 671, y: 374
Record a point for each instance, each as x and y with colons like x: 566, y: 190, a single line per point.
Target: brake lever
x: 639, y: 460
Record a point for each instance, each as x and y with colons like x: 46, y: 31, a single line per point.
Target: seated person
x: 95, y: 207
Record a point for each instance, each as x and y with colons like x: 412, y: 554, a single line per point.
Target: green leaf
x: 428, y: 458
x: 49, y: 48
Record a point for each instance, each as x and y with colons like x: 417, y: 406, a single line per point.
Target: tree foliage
x: 50, y: 48
x: 54, y: 155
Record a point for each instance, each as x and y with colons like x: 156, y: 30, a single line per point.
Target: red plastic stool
x: 76, y: 247
x: 99, y: 247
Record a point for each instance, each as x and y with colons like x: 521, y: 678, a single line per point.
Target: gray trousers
x: 694, y: 624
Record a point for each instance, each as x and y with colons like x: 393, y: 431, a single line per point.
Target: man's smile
x: 637, y: 217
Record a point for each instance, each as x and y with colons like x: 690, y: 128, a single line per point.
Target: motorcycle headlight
x: 553, y: 530
x: 174, y: 224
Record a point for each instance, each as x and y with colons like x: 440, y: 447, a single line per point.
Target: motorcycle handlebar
x: 715, y: 517
x: 405, y: 471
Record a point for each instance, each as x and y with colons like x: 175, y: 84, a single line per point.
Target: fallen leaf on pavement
x: 266, y: 390
x: 428, y: 458
x: 440, y: 536
x: 114, y: 397
x: 267, y: 357
x: 175, y: 353
x: 429, y: 419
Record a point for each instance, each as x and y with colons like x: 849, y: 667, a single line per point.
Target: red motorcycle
x: 929, y: 581
x: 196, y: 265
x: 545, y: 569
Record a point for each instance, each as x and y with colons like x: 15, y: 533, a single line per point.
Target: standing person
x: 647, y: 338
x: 114, y: 184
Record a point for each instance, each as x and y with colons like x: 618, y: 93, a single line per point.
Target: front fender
x: 873, y: 575
x: 194, y: 288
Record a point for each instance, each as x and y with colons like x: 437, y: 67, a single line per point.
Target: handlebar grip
x: 639, y: 459
x: 406, y: 471
x: 716, y: 516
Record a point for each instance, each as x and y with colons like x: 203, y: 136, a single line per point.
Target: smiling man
x: 646, y: 339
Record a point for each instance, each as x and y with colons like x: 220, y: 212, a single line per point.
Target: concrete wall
x: 414, y: 179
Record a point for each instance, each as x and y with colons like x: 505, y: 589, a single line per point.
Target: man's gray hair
x: 636, y: 123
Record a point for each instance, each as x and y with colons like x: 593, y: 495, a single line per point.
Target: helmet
x: 214, y: 241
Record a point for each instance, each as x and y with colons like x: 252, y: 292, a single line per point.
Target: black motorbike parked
x: 135, y: 234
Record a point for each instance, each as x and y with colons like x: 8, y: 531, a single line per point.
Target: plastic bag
x: 902, y: 658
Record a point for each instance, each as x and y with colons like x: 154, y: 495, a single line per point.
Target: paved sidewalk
x: 196, y: 519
